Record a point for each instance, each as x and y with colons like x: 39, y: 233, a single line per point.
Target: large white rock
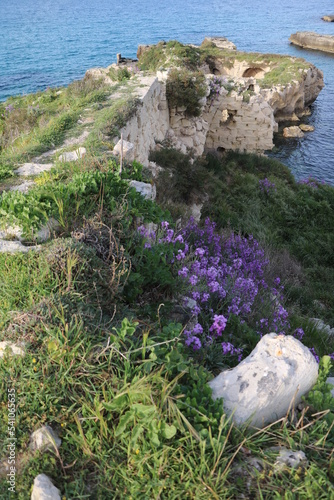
x: 260, y: 390
x: 44, y: 439
x: 44, y: 489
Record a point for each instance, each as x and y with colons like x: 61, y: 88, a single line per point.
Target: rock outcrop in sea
x: 310, y: 40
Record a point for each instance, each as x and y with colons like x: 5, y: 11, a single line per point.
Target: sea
x: 49, y: 43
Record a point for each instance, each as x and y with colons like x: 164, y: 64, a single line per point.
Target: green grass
x: 105, y: 362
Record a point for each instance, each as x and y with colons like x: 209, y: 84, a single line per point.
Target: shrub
x: 120, y: 74
x: 182, y: 179
x: 185, y: 89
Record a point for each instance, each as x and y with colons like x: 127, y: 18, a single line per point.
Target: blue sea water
x: 51, y: 43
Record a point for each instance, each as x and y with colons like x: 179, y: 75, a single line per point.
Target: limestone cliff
x: 246, y: 95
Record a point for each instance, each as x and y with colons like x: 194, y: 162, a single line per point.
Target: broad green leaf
x: 168, y: 431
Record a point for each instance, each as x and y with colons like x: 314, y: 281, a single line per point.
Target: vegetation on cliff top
x: 110, y: 362
x: 281, y: 69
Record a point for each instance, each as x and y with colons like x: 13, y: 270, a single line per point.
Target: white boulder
x: 44, y: 489
x: 14, y: 246
x: 261, y: 389
x: 44, y: 439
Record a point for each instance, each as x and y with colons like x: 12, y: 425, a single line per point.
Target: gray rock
x: 33, y: 168
x: 320, y: 325
x: 46, y: 231
x: 14, y: 348
x: 44, y: 439
x: 260, y: 390
x: 221, y: 42
x: 330, y: 380
x: 147, y: 190
x: 44, y: 489
x: 288, y: 458
x: 306, y: 128
x: 295, y: 131
x: 73, y: 155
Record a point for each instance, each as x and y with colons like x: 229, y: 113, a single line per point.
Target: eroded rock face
x: 310, y: 40
x: 44, y: 489
x: 260, y: 390
x: 292, y: 99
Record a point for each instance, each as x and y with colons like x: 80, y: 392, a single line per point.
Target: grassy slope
x: 117, y: 389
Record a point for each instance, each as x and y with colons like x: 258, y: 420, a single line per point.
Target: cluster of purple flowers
x: 224, y: 276
x: 215, y: 84
x: 8, y: 110
x: 266, y: 186
x: 311, y: 182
